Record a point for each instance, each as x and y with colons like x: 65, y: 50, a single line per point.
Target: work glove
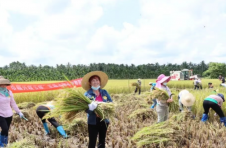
x: 92, y: 106
x: 21, y: 115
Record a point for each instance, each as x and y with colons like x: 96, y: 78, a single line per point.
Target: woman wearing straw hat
x: 162, y: 108
x: 186, y: 99
x: 94, y: 83
x: 41, y: 111
x: 7, y: 102
x: 215, y: 102
x: 183, y: 92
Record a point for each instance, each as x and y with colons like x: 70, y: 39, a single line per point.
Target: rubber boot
x: 62, y: 132
x: 46, y: 128
x: 223, y: 120
x: 4, y: 141
x: 1, y: 140
x: 204, y: 118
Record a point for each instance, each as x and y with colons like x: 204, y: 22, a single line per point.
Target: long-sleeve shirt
x: 6, y: 105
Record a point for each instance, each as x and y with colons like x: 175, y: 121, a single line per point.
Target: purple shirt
x: 6, y: 105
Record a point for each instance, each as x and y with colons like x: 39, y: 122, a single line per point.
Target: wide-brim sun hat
x: 162, y: 78
x: 102, y: 75
x: 187, y: 99
x: 4, y: 81
x: 183, y: 92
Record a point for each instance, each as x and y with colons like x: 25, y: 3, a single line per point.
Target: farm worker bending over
x: 162, y: 108
x: 94, y: 83
x: 7, y: 102
x: 186, y: 99
x: 139, y: 86
x: 41, y: 111
x: 215, y: 102
x: 151, y: 89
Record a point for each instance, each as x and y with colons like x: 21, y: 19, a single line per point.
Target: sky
x: 51, y: 32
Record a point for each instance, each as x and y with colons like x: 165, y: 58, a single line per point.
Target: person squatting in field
x: 215, y: 102
x: 41, y: 111
x: 151, y: 89
x: 138, y: 88
x: 162, y: 108
x: 7, y: 102
x: 94, y: 83
x: 185, y: 99
x: 210, y: 85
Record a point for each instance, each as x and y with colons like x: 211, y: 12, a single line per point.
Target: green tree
x: 215, y: 69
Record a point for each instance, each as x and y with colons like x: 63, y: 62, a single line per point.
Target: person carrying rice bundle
x: 7, y: 102
x: 185, y: 99
x: 138, y: 87
x: 162, y: 108
x: 94, y: 83
x: 215, y: 102
x: 41, y: 111
x: 151, y: 89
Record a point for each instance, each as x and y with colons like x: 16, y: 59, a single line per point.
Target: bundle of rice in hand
x: 73, y: 102
x: 135, y: 84
x: 159, y: 94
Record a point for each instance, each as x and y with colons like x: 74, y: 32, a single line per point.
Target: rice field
x: 132, y: 115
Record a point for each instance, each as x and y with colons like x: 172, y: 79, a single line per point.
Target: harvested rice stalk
x: 157, y: 134
x: 74, y: 102
x: 160, y: 95
x: 143, y: 114
x: 164, y: 133
x: 135, y: 84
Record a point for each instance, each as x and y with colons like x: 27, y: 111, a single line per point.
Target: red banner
x: 20, y: 88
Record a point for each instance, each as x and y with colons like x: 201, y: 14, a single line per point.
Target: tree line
x: 17, y: 71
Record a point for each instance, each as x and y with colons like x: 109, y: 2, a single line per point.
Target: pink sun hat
x: 162, y: 78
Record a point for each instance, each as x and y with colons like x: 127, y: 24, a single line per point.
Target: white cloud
x: 168, y: 31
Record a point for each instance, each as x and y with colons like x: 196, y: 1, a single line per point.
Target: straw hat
x: 103, y: 79
x: 187, y: 99
x: 4, y: 81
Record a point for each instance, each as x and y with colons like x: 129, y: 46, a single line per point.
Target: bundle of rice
x: 143, y: 114
x: 160, y: 95
x: 77, y: 125
x: 135, y: 84
x: 74, y: 102
x: 26, y: 105
x: 158, y: 134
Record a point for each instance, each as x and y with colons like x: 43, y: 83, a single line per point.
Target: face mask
x: 95, y: 88
x: 4, y: 91
x: 165, y: 83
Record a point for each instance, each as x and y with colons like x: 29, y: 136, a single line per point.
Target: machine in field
x: 184, y: 74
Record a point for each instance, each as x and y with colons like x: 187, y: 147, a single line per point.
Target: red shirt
x: 99, y: 98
